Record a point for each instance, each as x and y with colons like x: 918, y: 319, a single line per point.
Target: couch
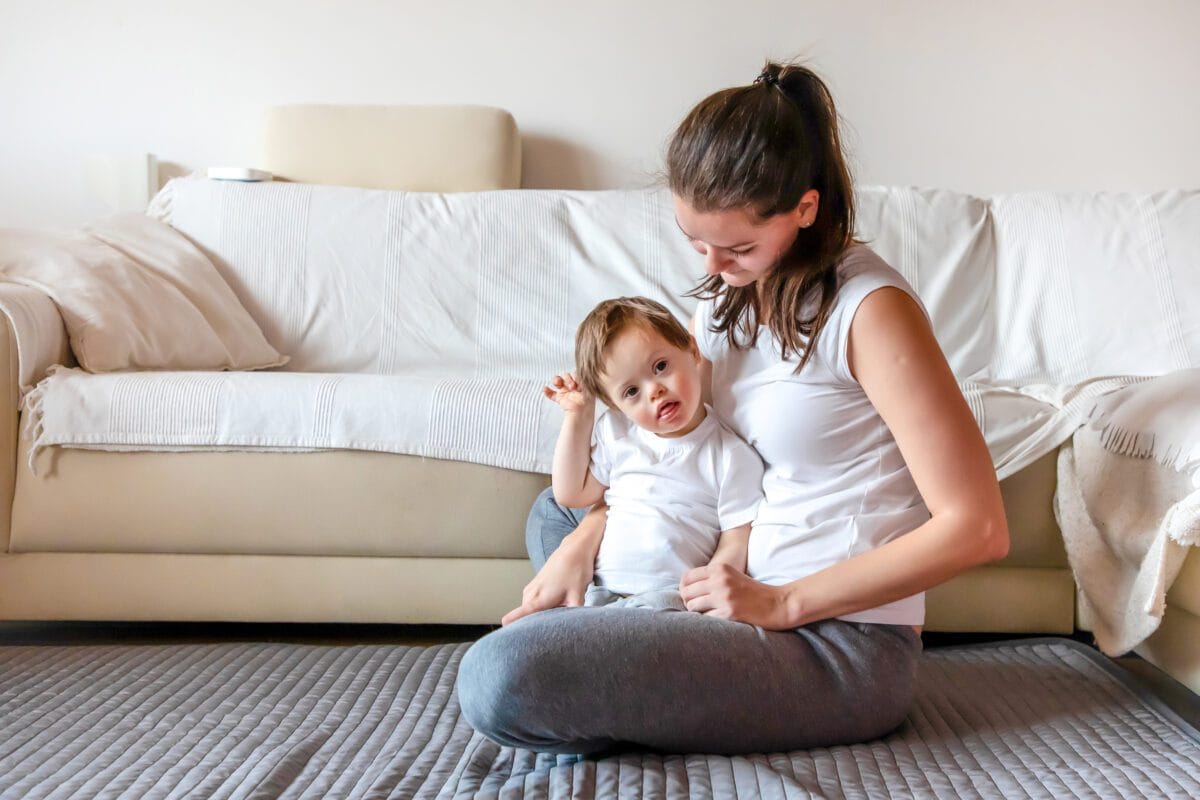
x: 350, y: 535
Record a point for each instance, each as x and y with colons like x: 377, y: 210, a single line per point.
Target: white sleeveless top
x: 835, y: 484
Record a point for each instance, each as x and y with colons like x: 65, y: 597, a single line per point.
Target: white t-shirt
x: 668, y: 499
x: 835, y: 483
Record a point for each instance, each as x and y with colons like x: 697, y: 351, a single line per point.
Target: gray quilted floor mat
x: 1030, y: 718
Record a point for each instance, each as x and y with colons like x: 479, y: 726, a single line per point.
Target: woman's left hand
x: 722, y: 591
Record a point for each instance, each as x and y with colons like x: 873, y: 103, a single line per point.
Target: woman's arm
x: 567, y: 572
x: 895, y: 357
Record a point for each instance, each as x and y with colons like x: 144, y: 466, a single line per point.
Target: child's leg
x: 656, y: 600
x: 580, y: 680
x: 599, y: 596
x: 548, y: 524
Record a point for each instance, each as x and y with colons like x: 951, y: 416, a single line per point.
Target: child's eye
x: 660, y: 366
x: 629, y: 393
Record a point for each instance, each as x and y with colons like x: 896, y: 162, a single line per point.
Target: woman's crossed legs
x: 582, y: 680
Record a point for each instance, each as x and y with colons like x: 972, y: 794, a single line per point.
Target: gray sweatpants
x: 581, y: 680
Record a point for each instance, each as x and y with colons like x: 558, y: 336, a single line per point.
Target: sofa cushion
x: 341, y: 503
x: 335, y: 503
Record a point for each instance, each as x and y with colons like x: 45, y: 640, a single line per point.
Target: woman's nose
x: 714, y: 262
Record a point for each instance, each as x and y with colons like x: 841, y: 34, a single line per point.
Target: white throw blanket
x: 493, y: 421
x: 499, y: 422
x: 1128, y: 504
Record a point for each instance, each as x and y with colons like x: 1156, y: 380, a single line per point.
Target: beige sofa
x: 372, y: 537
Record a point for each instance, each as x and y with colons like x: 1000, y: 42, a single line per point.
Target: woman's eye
x: 741, y: 252
x: 660, y: 366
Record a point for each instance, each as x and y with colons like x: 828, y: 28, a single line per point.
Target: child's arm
x: 574, y: 485
x: 731, y: 548
x: 564, y: 579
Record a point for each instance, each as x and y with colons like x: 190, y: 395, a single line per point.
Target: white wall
x: 980, y: 97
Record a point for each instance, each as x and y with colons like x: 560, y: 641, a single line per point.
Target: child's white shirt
x: 668, y: 499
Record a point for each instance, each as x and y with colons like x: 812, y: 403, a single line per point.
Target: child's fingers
x: 516, y: 614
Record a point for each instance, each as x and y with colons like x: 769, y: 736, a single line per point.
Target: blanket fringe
x: 33, y: 416
x: 1124, y: 442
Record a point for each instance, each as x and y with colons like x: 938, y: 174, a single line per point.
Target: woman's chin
x: 737, y: 279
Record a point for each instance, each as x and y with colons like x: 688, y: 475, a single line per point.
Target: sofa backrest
x: 1093, y: 285
x: 1026, y: 288
x: 417, y: 148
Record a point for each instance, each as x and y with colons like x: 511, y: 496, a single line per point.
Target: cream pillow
x: 135, y: 294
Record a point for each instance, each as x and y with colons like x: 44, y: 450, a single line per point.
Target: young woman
x: 877, y: 482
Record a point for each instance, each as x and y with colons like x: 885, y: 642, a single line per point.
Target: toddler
x: 681, y: 488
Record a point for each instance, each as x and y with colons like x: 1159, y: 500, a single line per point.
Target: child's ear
x: 693, y: 348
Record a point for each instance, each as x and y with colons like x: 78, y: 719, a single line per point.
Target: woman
x: 877, y: 484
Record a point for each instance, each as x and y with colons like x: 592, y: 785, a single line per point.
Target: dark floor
x: 1177, y: 696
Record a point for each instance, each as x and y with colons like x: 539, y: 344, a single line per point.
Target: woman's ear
x: 806, y: 210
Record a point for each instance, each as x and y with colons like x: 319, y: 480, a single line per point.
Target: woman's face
x: 739, y: 246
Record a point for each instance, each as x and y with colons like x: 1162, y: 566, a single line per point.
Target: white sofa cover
x: 423, y: 323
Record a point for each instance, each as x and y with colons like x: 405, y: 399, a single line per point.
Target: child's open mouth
x: 667, y: 411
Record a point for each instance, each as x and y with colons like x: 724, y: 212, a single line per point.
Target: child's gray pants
x: 580, y: 680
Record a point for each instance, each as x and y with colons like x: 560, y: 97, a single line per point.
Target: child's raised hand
x: 566, y: 390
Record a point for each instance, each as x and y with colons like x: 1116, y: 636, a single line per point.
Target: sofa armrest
x: 38, y: 334
x: 32, y: 339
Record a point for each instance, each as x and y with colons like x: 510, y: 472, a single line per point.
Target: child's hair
x: 761, y: 147
x: 610, y: 318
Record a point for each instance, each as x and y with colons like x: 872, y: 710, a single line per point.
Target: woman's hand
x: 722, y: 591
x: 567, y: 572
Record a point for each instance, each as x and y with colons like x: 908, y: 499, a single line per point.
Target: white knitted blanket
x: 1128, y: 504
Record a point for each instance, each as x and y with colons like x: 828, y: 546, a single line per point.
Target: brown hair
x: 761, y: 147
x: 609, y: 319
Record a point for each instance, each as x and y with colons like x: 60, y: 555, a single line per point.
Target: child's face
x: 654, y: 383
x: 736, y: 244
